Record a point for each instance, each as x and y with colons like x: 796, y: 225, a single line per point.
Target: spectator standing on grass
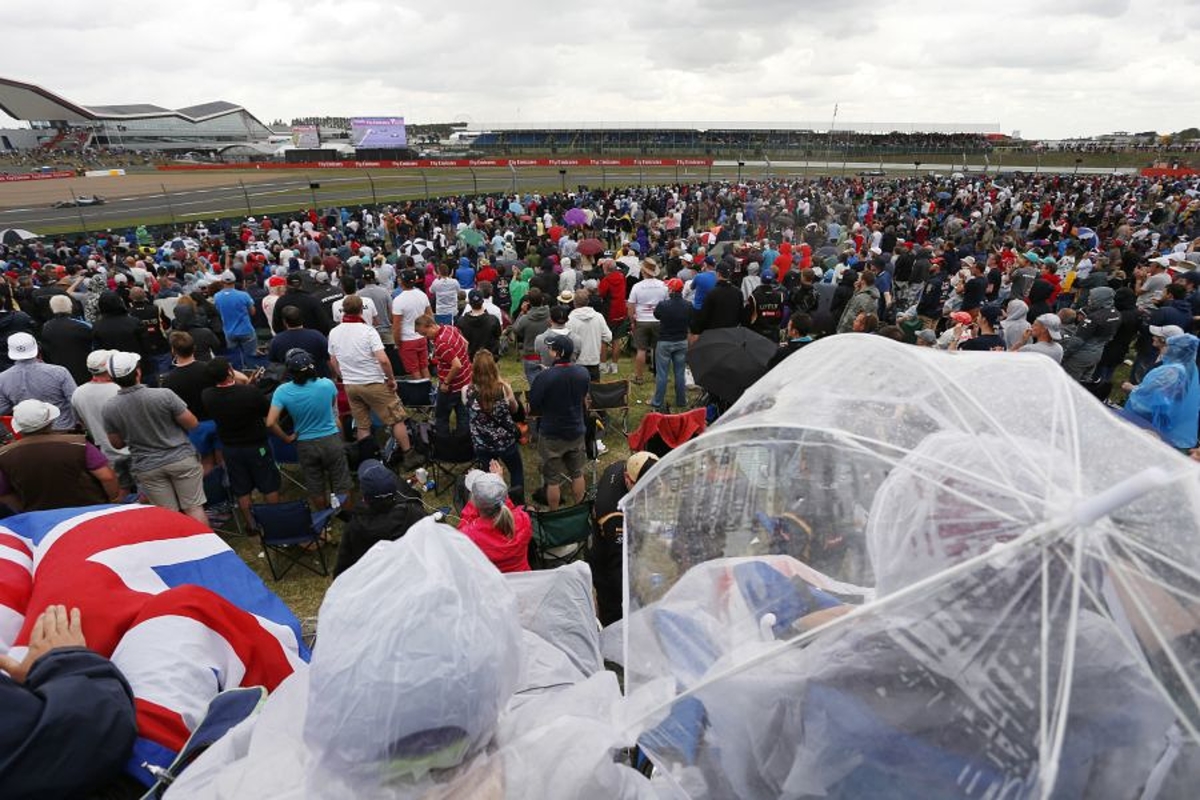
x: 445, y: 291
x: 294, y: 335
x: 559, y: 396
x: 66, y: 341
x: 236, y: 308
x: 154, y: 423
x: 613, y: 296
x: 357, y: 357
x: 645, y: 297
x: 491, y: 404
x: 532, y: 323
x: 30, y: 379
x: 311, y: 402
x: 453, y: 367
x: 479, y: 328
x: 674, y: 315
x: 411, y: 303
x: 588, y: 326
x: 88, y: 402
x: 239, y: 412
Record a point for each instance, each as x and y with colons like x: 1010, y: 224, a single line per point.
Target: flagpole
x: 829, y: 146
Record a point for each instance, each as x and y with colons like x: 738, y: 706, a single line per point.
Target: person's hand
x: 1127, y: 387
x: 496, y: 468
x: 54, y: 628
x: 390, y: 383
x: 292, y: 438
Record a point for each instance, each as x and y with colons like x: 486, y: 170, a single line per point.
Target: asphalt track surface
x: 259, y: 192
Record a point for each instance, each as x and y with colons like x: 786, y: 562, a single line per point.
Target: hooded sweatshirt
x: 589, y: 326
x: 531, y: 325
x: 1014, y: 324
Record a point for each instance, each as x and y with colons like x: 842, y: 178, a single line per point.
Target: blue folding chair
x: 285, y: 454
x: 294, y: 533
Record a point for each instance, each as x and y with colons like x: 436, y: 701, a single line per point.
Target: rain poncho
x: 1169, y: 396
x: 424, y: 684
x: 930, y: 582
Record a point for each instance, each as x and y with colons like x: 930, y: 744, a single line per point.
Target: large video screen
x: 378, y: 132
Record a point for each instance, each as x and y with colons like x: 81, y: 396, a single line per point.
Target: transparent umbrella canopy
x: 889, y: 571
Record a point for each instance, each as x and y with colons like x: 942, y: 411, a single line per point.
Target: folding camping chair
x: 291, y: 530
x: 219, y: 496
x: 449, y: 456
x: 560, y: 536
x: 285, y: 454
x: 612, y: 396
x: 661, y: 433
x: 417, y: 396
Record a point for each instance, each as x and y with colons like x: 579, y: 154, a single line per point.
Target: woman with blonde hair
x: 490, y: 402
x: 490, y: 520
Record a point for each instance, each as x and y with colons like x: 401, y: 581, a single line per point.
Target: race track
x: 180, y: 197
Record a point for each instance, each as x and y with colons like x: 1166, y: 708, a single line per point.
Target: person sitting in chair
x: 388, y: 509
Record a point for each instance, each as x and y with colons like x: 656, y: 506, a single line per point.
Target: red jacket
x: 612, y: 291
x: 509, y: 555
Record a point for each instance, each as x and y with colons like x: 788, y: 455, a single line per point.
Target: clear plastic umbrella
x: 889, y: 571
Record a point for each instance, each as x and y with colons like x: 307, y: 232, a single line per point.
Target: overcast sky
x: 1046, y: 68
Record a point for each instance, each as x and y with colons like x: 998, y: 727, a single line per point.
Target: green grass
x: 303, y: 590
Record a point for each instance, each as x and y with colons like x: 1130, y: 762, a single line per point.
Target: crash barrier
x: 35, y: 176
x: 450, y: 164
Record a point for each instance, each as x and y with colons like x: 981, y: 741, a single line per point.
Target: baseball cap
x: 376, y: 480
x: 960, y: 318
x: 768, y: 275
x: 475, y: 298
x: 486, y: 489
x: 1161, y: 331
x: 561, y: 344
x: 322, y: 277
x: 33, y: 415
x: 675, y: 285
x: 22, y: 347
x: 638, y: 463
x: 97, y: 361
x: 1053, y: 325
x: 927, y: 336
x: 276, y: 280
x: 227, y: 277
x: 723, y: 271
x: 298, y: 359
x: 122, y: 364
x: 294, y: 279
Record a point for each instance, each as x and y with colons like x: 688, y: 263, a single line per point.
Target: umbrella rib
x: 861, y: 440
x: 1139, y: 655
x: 1170, y: 562
x: 945, y: 576
x: 947, y: 379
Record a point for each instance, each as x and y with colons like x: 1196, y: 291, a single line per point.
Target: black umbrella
x: 13, y: 236
x: 725, y: 362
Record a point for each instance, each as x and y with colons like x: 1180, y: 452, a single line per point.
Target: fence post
x: 167, y: 197
x: 249, y: 211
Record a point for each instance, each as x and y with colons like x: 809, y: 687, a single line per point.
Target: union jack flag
x: 170, y: 603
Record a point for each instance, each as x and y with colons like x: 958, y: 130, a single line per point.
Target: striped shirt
x: 449, y: 344
x: 33, y: 380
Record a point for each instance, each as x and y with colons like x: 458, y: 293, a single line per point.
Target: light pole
x: 1078, y: 161
x: 740, y: 165
x: 562, y: 174
x: 916, y: 167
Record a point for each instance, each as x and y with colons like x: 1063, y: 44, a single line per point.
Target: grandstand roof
x: 815, y: 126
x: 28, y: 102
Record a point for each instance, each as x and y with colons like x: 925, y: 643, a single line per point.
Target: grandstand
x: 63, y: 126
x: 723, y: 140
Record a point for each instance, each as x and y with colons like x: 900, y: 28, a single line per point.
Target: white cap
x: 22, y: 347
x: 122, y: 364
x: 97, y: 361
x: 33, y: 415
